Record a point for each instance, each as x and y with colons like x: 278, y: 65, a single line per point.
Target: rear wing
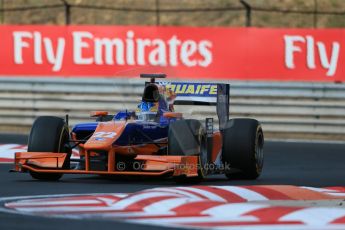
x: 187, y: 93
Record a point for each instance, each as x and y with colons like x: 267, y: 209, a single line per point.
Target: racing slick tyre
x: 49, y: 134
x: 243, y: 142
x: 186, y: 138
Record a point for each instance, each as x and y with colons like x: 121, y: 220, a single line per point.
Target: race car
x: 152, y: 140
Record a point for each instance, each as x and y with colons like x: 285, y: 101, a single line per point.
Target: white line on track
x: 306, y: 141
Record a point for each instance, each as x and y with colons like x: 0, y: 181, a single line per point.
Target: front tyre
x: 243, y: 142
x: 49, y: 134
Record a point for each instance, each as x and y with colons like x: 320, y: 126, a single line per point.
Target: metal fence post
x: 67, y: 12
x: 157, y: 13
x: 2, y: 17
x: 248, y: 13
x: 315, y: 14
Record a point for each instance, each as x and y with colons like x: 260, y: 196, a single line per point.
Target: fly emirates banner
x: 181, y: 52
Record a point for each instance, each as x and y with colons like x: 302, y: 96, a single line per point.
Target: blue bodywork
x: 139, y: 132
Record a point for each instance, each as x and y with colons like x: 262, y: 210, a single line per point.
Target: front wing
x: 47, y: 162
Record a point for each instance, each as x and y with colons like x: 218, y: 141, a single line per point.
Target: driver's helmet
x: 148, y: 108
x: 147, y: 111
x: 151, y: 93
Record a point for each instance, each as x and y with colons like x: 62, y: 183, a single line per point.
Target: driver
x: 154, y: 103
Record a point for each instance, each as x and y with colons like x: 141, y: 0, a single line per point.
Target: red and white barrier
x: 203, y: 52
x: 211, y: 207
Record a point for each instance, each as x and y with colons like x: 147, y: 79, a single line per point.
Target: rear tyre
x: 243, y: 142
x: 188, y: 138
x: 49, y: 134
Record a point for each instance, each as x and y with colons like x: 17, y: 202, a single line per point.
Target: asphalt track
x: 286, y: 163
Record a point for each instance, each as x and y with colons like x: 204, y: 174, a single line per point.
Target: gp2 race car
x: 152, y: 141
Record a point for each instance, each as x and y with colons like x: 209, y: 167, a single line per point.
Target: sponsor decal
x: 99, y: 139
x: 187, y: 91
x: 180, y: 52
x: 191, y: 89
x: 103, y: 135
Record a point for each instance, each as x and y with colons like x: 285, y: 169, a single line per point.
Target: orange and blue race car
x: 153, y: 140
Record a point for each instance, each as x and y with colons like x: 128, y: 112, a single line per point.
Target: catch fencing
x: 307, y: 13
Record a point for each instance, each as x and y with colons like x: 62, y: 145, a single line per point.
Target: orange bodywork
x: 172, y: 115
x: 151, y: 165
x: 39, y: 159
x: 98, y: 113
x: 102, y: 141
x: 146, y: 149
x: 74, y: 171
x: 105, y: 135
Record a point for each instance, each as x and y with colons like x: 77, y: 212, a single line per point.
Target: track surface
x: 306, y: 164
